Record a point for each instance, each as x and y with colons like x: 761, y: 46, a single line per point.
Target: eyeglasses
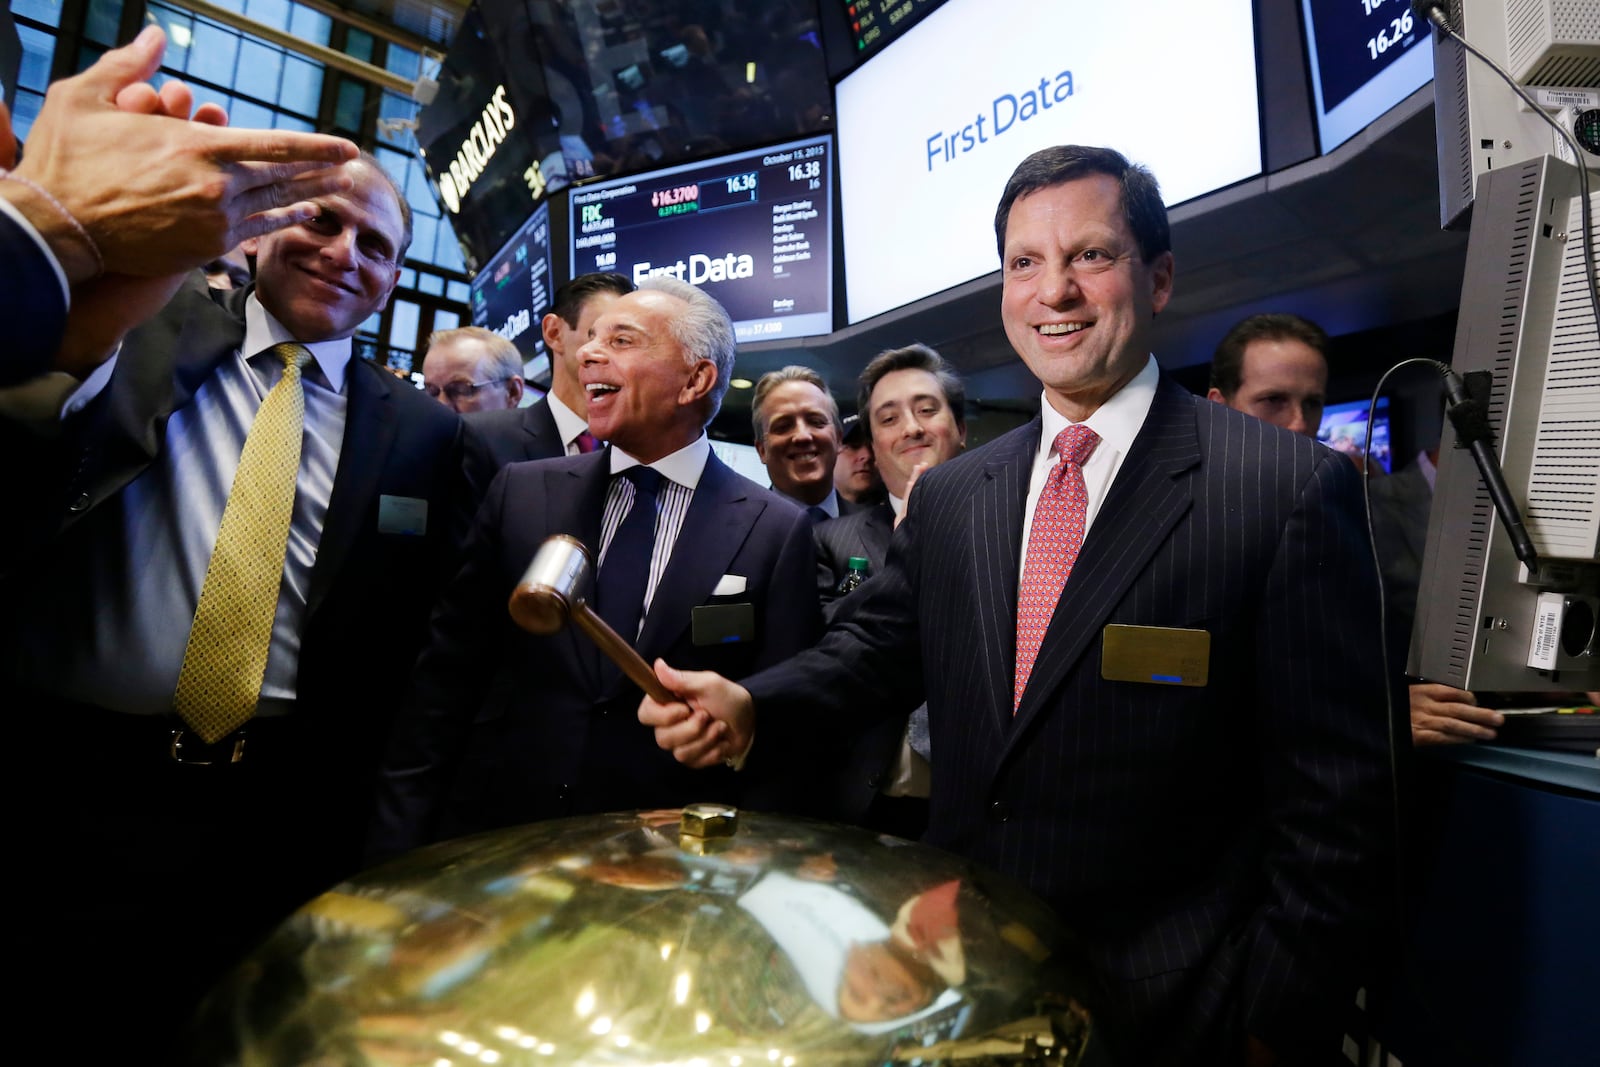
x: 459, y: 390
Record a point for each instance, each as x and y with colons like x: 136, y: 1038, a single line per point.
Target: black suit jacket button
x: 999, y: 811
x: 80, y: 503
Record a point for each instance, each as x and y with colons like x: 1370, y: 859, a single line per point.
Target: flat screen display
x: 875, y: 24
x: 753, y: 229
x: 1344, y: 429
x: 1366, y: 57
x: 930, y: 129
x: 514, y: 289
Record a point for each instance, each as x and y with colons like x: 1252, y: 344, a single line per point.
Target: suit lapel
x: 543, y: 439
x: 369, y: 432
x: 1146, y: 501
x: 721, y: 515
x: 158, y: 371
x: 876, y: 532
x: 994, y: 519
x: 574, y: 503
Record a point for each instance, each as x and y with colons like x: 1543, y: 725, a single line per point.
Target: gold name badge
x: 1156, y: 655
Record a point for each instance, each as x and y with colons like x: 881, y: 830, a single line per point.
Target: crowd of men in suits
x: 1118, y: 625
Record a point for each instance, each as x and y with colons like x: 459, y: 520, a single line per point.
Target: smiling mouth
x: 595, y: 389
x: 1061, y: 329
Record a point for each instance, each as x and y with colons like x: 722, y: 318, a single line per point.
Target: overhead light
x: 740, y: 383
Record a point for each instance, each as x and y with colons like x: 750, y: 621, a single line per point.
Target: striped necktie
x: 226, y: 659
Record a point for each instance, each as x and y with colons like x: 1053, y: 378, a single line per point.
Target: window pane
x: 422, y: 242
x: 101, y: 23
x: 213, y: 54
x: 408, y: 278
x: 274, y: 13
x: 236, y: 6
x: 460, y: 292
x: 38, y: 48
x: 403, y: 326
x: 445, y: 319
x: 180, y: 34
x: 260, y: 68
x: 431, y: 284
x: 358, y: 43
x: 28, y: 105
x: 309, y: 25
x: 247, y: 116
x: 403, y: 61
x: 45, y: 11
x: 351, y: 104
x: 449, y: 254
x: 302, y: 86
x: 290, y: 122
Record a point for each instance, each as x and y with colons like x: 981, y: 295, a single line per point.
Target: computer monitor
x: 512, y: 292
x: 753, y: 229
x: 1344, y: 429
x: 1484, y: 623
x: 1366, y: 56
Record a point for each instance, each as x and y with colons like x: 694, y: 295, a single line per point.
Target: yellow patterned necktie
x: 226, y: 658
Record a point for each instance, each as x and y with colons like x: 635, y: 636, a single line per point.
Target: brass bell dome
x: 708, y: 937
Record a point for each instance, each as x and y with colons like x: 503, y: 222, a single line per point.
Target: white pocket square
x: 729, y: 585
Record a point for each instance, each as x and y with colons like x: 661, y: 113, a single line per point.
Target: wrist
x: 75, y: 250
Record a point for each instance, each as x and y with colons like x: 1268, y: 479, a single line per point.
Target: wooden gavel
x: 551, y: 592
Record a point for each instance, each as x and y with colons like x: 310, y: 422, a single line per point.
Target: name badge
x: 405, y: 515
x: 1155, y: 655
x: 722, y: 624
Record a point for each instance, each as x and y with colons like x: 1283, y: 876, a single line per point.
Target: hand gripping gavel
x: 552, y: 591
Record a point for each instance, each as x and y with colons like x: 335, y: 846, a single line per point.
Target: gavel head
x: 558, y: 577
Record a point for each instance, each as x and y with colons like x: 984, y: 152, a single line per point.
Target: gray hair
x: 703, y: 331
x: 504, y: 360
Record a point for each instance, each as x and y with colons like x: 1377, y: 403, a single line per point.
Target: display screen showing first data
x: 752, y: 229
x: 930, y: 129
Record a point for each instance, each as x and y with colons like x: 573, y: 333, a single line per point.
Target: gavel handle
x: 620, y: 652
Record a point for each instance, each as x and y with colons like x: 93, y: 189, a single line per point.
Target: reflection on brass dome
x: 616, y: 939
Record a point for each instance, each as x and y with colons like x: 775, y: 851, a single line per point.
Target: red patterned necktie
x: 587, y: 442
x: 1053, y: 543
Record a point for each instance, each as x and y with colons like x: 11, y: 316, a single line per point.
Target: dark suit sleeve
x: 868, y: 664
x: 32, y: 305
x: 1323, y: 751
x: 449, y: 683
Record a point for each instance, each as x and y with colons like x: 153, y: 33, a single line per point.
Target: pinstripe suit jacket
x: 1220, y: 848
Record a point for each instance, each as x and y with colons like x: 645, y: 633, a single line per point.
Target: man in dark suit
x: 1166, y: 725
x: 914, y: 404
x: 558, y: 424
x: 114, y: 196
x: 169, y: 851
x: 509, y: 727
x: 470, y: 369
x: 1274, y: 366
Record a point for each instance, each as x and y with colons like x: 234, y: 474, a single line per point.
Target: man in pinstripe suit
x: 1194, y: 773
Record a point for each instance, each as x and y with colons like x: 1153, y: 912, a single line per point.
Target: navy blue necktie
x: 620, y: 586
x: 818, y: 513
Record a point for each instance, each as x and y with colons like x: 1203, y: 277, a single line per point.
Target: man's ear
x: 1216, y: 394
x: 702, y: 379
x: 514, y: 390
x: 550, y: 328
x: 249, y: 246
x: 1161, y: 282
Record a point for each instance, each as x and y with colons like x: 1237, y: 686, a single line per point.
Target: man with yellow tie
x: 219, y: 581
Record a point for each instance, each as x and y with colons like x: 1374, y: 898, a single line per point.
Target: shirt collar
x: 897, y: 505
x: 262, y: 331
x: 685, y: 466
x: 569, y: 424
x: 1117, y: 422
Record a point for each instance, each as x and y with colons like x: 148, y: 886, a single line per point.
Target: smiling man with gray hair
x: 692, y: 562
